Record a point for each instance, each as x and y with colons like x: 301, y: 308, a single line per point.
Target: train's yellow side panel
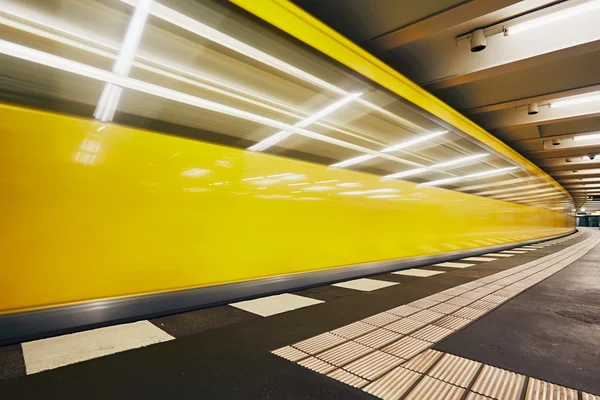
x: 90, y: 212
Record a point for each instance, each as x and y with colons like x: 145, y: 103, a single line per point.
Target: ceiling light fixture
x: 553, y: 15
x: 587, y: 137
x: 279, y: 136
x: 575, y: 101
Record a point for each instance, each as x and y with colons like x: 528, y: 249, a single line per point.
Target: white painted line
x: 364, y: 284
x: 499, y: 255
x: 484, y: 259
x: 453, y: 265
x: 513, y: 252
x: 44, y: 354
x: 277, y: 304
x: 418, y: 272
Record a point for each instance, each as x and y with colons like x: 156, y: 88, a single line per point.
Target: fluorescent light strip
x: 353, y: 161
x: 109, y: 99
x: 247, y: 97
x: 513, y: 189
x: 496, y: 184
x: 523, y: 193
x: 558, y: 15
x: 477, y: 175
x: 450, y: 163
x: 279, y: 136
x: 189, y: 24
x: 50, y: 60
x: 412, y: 142
x: 574, y: 102
x: 398, y: 146
x: 583, y: 138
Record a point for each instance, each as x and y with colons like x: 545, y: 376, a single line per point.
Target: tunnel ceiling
x: 556, y: 57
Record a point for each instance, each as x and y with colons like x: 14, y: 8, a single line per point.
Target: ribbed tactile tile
x: 473, y: 295
x: 423, y: 361
x: 460, y: 301
x: 445, y: 308
x: 347, y: 378
x: 378, y: 338
x: 316, y: 365
x: 404, y: 311
x: 426, y: 316
x: 431, y: 388
x: 344, y: 353
x: 452, y: 322
x: 319, y: 343
x: 405, y: 325
x: 432, y: 333
x: 381, y: 319
x: 290, y: 353
x: 373, y: 365
x: 476, y: 396
x: 587, y: 396
x: 483, y: 305
x: 393, y: 385
x: 353, y: 330
x: 498, y: 383
x: 406, y: 347
x: 455, y: 370
x: 440, y: 297
x: 455, y: 291
x: 469, y: 313
x: 541, y: 390
x: 494, y: 299
x: 423, y: 303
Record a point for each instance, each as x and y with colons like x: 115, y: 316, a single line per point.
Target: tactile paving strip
x: 455, y: 370
x: 394, y: 384
x: 362, y: 353
x: 430, y: 388
x: 498, y: 383
x: 541, y: 390
x: 373, y: 365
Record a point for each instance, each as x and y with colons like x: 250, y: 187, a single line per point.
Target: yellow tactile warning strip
x: 388, y: 354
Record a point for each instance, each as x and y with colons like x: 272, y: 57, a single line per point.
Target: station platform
x: 518, y: 324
